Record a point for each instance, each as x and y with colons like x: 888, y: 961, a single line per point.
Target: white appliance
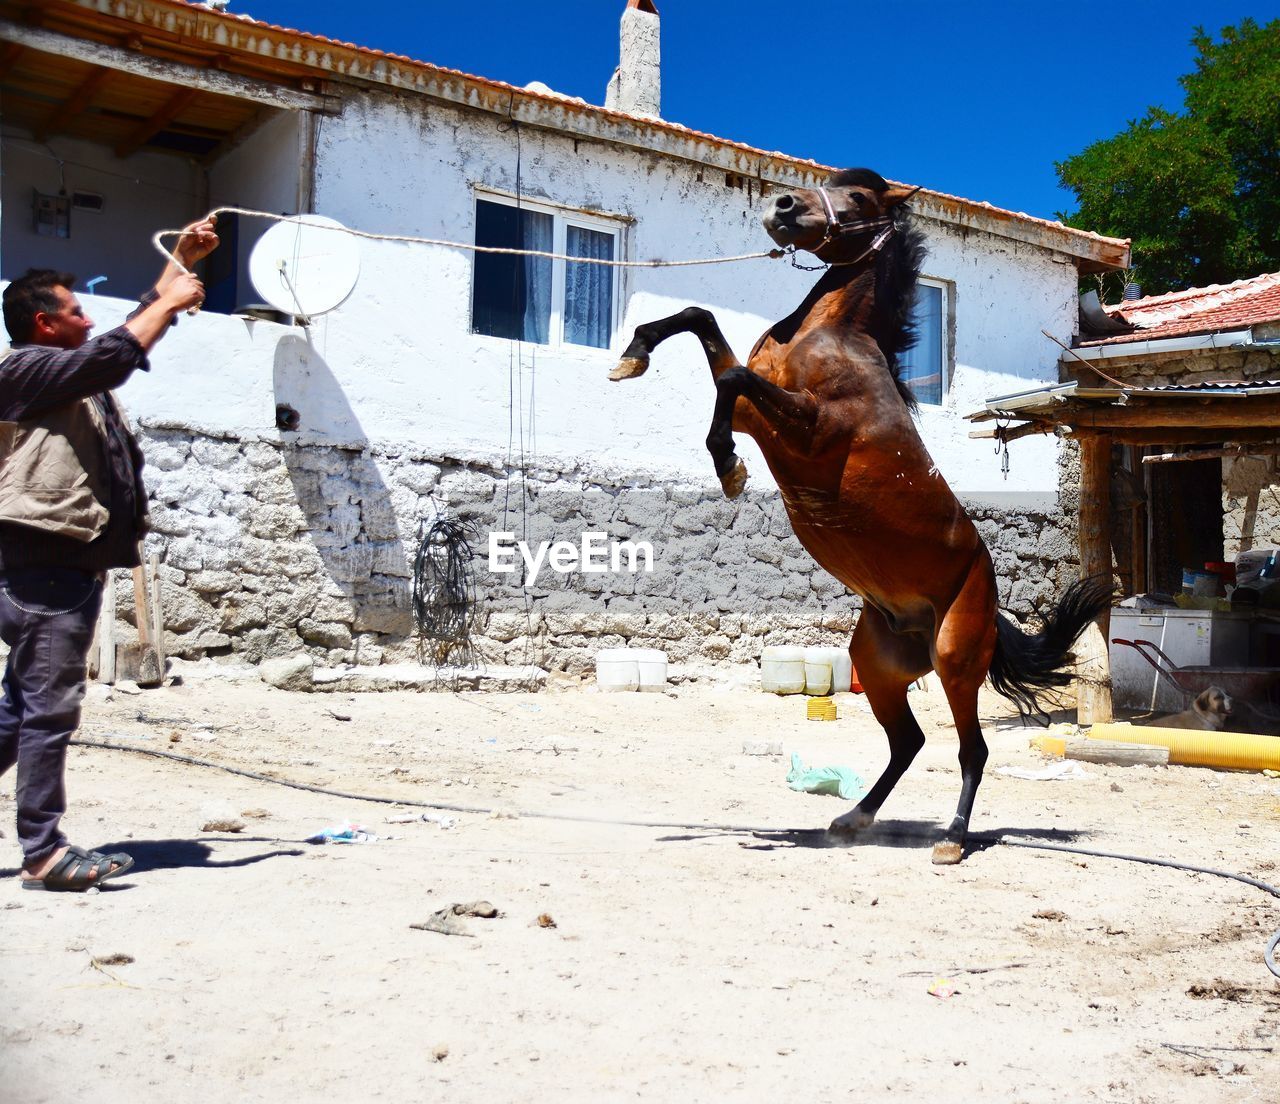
x: 1190, y: 638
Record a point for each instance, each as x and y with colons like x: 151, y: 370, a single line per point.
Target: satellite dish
x: 306, y: 265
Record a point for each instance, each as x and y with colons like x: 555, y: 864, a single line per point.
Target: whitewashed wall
x: 425, y: 373
x: 260, y: 174
x: 143, y: 194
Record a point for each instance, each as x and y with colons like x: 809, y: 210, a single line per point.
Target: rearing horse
x: 822, y: 396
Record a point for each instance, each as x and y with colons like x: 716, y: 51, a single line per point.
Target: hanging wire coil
x: 444, y: 590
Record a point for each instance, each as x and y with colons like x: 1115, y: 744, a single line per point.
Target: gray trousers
x: 47, y: 618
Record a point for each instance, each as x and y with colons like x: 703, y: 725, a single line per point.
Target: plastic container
x: 817, y: 672
x: 652, y: 665
x: 617, y: 669
x: 841, y: 671
x: 782, y: 670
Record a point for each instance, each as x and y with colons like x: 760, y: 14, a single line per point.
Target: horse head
x: 840, y: 222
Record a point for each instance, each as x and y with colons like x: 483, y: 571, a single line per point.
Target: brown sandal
x: 79, y: 870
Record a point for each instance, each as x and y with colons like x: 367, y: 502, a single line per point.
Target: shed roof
x: 1214, y: 309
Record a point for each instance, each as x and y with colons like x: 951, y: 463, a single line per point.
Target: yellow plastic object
x: 821, y: 709
x: 1050, y: 745
x: 1229, y: 750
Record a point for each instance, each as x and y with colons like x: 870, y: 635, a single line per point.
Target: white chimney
x: 636, y: 86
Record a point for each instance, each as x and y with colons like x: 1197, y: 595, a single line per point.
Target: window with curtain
x: 924, y: 365
x: 537, y: 299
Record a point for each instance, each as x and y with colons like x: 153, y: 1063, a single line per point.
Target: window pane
x: 512, y: 295
x: 921, y: 365
x: 588, y: 289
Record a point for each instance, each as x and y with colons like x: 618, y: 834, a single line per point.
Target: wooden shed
x: 1175, y: 403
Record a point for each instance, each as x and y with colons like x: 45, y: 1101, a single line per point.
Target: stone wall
x: 268, y: 548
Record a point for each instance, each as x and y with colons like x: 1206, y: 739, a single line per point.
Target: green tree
x: 1198, y: 192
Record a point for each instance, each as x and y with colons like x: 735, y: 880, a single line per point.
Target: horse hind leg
x: 963, y: 697
x: 965, y: 644
x: 887, y: 664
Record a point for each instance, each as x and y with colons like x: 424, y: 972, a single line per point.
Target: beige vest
x: 52, y: 474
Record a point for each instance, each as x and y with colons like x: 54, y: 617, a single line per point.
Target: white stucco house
x: 293, y: 468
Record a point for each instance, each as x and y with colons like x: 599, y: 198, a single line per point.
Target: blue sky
x: 976, y: 99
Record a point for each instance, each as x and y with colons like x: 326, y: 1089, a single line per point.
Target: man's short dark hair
x: 28, y: 296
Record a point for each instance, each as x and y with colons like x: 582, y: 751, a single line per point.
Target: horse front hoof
x: 844, y: 829
x: 733, y: 482
x: 629, y: 368
x: 947, y: 853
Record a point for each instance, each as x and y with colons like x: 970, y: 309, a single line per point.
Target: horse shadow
x: 350, y: 514
x: 905, y: 834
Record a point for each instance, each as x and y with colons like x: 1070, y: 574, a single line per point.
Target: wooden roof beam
x: 9, y: 54
x: 1206, y: 413
x: 175, y: 106
x: 75, y: 104
x: 167, y: 72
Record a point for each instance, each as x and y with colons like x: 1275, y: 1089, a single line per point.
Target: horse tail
x: 1025, y: 665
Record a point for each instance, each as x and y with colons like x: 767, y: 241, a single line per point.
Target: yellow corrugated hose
x: 1226, y: 750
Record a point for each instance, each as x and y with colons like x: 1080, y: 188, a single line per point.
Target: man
x: 72, y: 506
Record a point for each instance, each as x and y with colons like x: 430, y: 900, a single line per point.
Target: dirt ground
x: 716, y: 951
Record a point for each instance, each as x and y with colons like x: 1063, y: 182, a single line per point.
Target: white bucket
x: 817, y: 671
x: 782, y: 670
x: 652, y: 664
x: 617, y: 669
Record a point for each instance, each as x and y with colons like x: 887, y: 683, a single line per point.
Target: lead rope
x: 156, y: 240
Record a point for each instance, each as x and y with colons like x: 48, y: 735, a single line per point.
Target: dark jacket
x: 66, y: 392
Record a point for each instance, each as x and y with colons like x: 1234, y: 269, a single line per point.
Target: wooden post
x: 157, y: 611
x: 1094, y: 683
x: 107, y: 633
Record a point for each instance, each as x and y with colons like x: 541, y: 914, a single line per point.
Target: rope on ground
x: 1268, y: 955
x: 301, y: 220
x: 472, y: 809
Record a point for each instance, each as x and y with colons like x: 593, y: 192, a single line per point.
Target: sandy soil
x: 673, y: 961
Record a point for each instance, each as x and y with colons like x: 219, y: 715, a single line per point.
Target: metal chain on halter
x: 837, y: 229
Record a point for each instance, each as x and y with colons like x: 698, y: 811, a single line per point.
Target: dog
x: 1211, y: 712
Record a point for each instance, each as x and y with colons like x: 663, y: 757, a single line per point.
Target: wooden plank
x: 168, y: 72
x: 1012, y: 433
x: 107, y: 633
x: 75, y: 104
x: 1094, y: 667
x: 1179, y: 436
x: 157, y: 610
x: 1124, y: 755
x: 1235, y: 452
x: 139, y: 136
x: 1241, y: 412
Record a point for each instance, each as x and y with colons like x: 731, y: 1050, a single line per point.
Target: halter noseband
x: 836, y: 228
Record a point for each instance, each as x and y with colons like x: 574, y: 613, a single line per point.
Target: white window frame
x: 562, y: 218
x: 945, y: 331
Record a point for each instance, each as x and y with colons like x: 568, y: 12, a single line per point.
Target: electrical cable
x: 444, y: 588
x: 1268, y: 955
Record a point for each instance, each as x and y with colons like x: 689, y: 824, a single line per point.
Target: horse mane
x: 897, y: 270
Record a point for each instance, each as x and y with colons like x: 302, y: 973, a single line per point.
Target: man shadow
x: 350, y: 516
x: 176, y: 854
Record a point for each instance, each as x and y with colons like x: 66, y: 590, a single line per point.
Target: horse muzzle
x: 789, y: 221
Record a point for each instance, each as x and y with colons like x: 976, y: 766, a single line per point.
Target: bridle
x: 836, y: 228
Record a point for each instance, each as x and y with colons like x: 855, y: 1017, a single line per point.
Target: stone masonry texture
x: 270, y: 548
